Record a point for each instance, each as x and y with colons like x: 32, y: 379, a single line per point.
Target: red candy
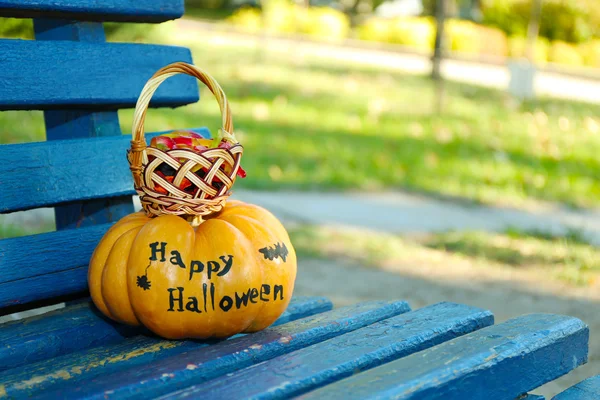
x: 191, y: 141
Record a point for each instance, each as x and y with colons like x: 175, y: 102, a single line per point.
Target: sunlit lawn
x: 310, y: 125
x: 566, y: 259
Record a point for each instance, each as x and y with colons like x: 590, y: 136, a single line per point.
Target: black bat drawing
x: 278, y: 250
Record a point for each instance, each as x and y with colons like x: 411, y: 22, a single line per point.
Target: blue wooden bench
x: 368, y: 350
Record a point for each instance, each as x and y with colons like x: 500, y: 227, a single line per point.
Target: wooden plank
x: 60, y: 332
x: 50, y: 29
x: 45, y: 253
x: 193, y: 366
x: 42, y: 287
x: 296, y: 373
x: 92, y: 212
x: 495, y: 363
x: 37, y: 75
x: 70, y: 124
x: 38, y: 174
x: 95, y: 10
x: 585, y: 390
x: 81, y: 327
x: 302, y: 307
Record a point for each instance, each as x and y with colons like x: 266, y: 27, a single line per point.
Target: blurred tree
x: 438, y: 50
x: 441, y: 12
x: 572, y: 21
x: 208, y: 4
x: 357, y: 10
x: 533, y: 29
x: 470, y: 10
x: 522, y: 73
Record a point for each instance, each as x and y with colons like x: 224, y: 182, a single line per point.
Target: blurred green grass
x: 566, y: 259
x: 11, y: 230
x: 313, y: 125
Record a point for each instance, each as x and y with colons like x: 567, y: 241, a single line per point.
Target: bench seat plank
x: 495, y: 363
x: 318, y: 365
x: 95, y: 10
x: 41, y: 168
x: 584, y: 390
x: 58, y: 332
x: 81, y: 328
x: 41, y: 75
x: 165, y: 375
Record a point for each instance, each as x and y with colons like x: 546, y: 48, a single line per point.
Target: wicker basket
x: 220, y: 165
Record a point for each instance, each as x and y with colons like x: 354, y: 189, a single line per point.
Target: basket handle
x: 138, y: 144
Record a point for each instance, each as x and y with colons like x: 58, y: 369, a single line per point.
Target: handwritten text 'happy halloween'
x: 209, y: 301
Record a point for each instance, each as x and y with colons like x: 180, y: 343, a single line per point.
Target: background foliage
x: 569, y: 29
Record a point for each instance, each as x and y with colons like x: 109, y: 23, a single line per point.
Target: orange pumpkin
x: 233, y: 273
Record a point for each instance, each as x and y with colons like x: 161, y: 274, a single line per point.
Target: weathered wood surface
x: 193, y: 366
x: 41, y: 287
x: 95, y: 10
x: 43, y: 174
x: 588, y: 389
x: 46, y: 265
x: 319, y: 365
x: 495, y: 363
x: 44, y: 351
x: 44, y: 74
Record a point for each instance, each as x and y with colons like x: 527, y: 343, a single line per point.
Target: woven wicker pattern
x: 216, y: 168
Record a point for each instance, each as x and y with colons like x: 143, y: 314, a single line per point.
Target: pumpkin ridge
x: 135, y: 229
x: 96, y: 267
x: 240, y: 233
x: 265, y: 217
x: 137, y: 265
x: 266, y: 228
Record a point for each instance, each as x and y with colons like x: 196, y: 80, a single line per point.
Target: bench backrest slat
x: 39, y: 75
x: 46, y: 258
x: 37, y: 290
x: 41, y: 168
x: 95, y: 10
x: 40, y: 175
